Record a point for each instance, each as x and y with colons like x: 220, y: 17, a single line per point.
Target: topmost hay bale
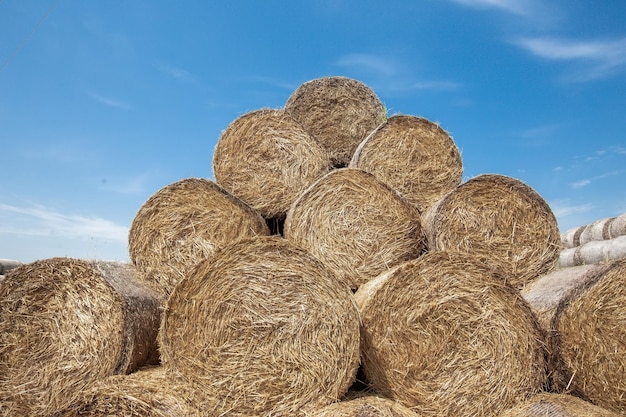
x: 365, y: 406
x: 339, y: 112
x: 557, y: 405
x: 264, y: 328
x: 266, y: 159
x: 602, y: 229
x: 66, y: 323
x: 414, y: 156
x: 356, y: 225
x: 184, y: 223
x: 500, y: 220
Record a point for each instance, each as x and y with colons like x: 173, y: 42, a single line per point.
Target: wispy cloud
x: 435, y: 85
x: 368, y: 62
x: 520, y: 7
x: 587, y: 181
x: 130, y: 185
x: 176, y: 73
x: 111, y: 102
x: 600, y: 58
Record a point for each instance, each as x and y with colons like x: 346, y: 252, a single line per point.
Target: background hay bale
x: 571, y: 238
x: 445, y: 337
x: 356, y: 225
x: 8, y: 264
x: 263, y: 327
x: 149, y: 392
x: 594, y: 252
x: 557, y: 405
x: 414, y: 156
x: 339, y: 112
x: 365, y: 406
x: 598, y: 230
x: 184, y: 223
x: 266, y: 159
x: 501, y: 221
x: 65, y: 323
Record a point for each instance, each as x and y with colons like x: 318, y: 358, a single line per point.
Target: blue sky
x: 103, y: 103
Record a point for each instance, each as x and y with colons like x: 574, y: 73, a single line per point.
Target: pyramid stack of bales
x: 337, y: 265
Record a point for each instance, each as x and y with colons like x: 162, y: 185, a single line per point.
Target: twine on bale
x: 184, y: 223
x: 364, y: 406
x: 356, y: 225
x: 501, y: 221
x: 339, y: 112
x: 557, y: 405
x: 414, y: 156
x: 266, y: 159
x: 446, y: 337
x: 264, y: 328
x: 594, y: 252
x: 65, y: 323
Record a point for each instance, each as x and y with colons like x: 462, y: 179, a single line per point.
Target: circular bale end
x: 66, y: 323
x: 557, y: 405
x: 183, y: 224
x: 365, y: 406
x: 339, y: 112
x: 414, y: 156
x: 266, y: 159
x: 356, y: 225
x: 445, y: 337
x: 265, y: 328
x: 501, y: 221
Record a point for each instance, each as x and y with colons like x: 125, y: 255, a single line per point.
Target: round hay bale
x: 265, y: 328
x: 571, y: 238
x: 365, y: 406
x: 414, y: 156
x: 594, y: 252
x: 557, y: 405
x: 183, y: 224
x: 356, y: 225
x: 617, y: 227
x: 65, y: 323
x: 149, y: 392
x: 596, y: 231
x: 8, y: 264
x: 446, y: 337
x: 266, y: 159
x: 501, y: 221
x: 339, y: 112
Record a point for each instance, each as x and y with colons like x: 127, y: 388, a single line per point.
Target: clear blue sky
x: 102, y: 103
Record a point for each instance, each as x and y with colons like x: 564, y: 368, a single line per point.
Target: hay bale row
x: 602, y: 229
x: 594, y: 252
x: 67, y: 323
x: 557, y: 405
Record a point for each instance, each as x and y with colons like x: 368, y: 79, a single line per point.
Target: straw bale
x: 446, y: 337
x: 8, y: 264
x: 571, y: 238
x: 500, y: 220
x: 617, y: 227
x: 594, y: 252
x: 265, y: 328
x: 414, y: 156
x: 596, y: 231
x: 365, y: 406
x: 356, y: 225
x: 557, y: 405
x: 65, y: 323
x: 184, y: 223
x: 266, y: 159
x: 149, y: 392
x: 339, y: 112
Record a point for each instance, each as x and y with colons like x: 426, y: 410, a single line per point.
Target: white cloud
x: 520, y: 7
x: 177, y: 73
x: 580, y: 184
x: 563, y: 208
x: 368, y: 62
x: 111, y: 102
x: 435, y: 85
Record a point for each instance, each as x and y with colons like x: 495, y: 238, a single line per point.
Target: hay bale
x: 149, y: 392
x: 594, y: 252
x: 571, y: 238
x: 414, y: 156
x: 501, y: 221
x: 596, y: 231
x: 356, y: 225
x: 446, y: 337
x: 65, y: 323
x: 365, y: 406
x: 557, y: 405
x: 8, y: 264
x: 617, y: 227
x: 265, y: 328
x: 266, y: 159
x: 586, y: 330
x: 339, y: 112
x: 184, y: 223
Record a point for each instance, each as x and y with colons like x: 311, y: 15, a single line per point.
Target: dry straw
x: 356, y: 225
x: 365, y: 406
x: 149, y: 392
x: 65, y: 323
x: 339, y: 112
x: 557, y: 405
x: 414, y: 156
x: 266, y: 159
x: 264, y: 328
x: 594, y: 252
x: 501, y: 221
x: 446, y: 337
x: 184, y: 223
x: 587, y: 331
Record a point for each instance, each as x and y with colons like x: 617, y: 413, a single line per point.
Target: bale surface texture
x: 365, y: 406
x: 445, y: 337
x: 557, y: 405
x: 266, y: 159
x: 414, y: 156
x: 356, y: 225
x: 501, y: 221
x: 184, y: 223
x: 339, y: 112
x: 263, y: 327
x: 65, y: 323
